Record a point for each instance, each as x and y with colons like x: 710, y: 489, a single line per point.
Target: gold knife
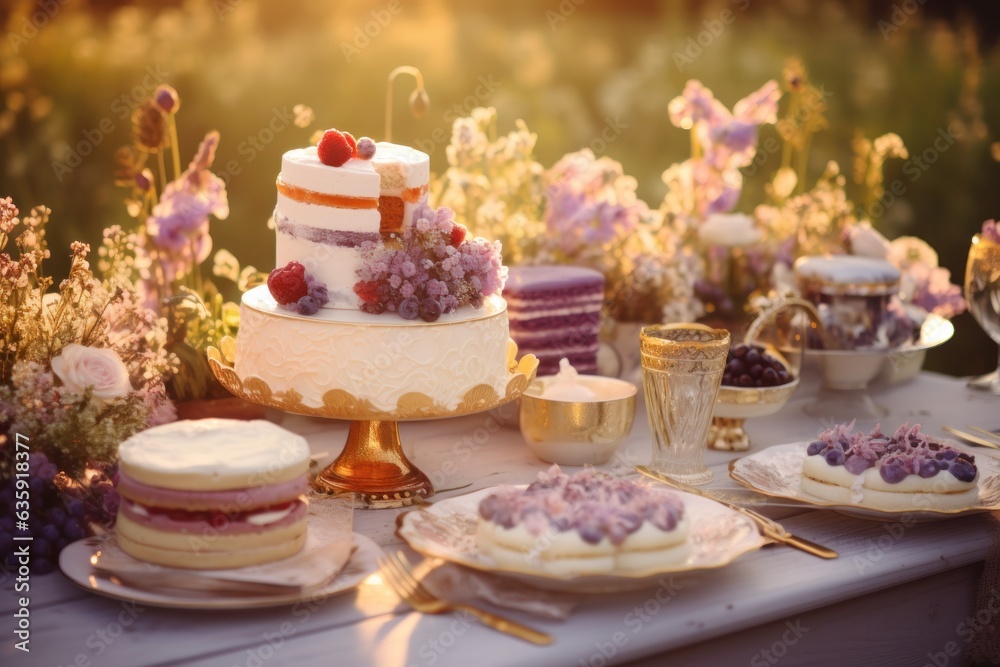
x: 769, y: 527
x: 974, y: 439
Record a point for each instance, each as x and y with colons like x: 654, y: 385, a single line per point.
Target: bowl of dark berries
x: 757, y: 382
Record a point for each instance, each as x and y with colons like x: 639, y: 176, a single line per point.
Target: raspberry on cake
x: 907, y: 470
x: 212, y: 494
x: 583, y: 524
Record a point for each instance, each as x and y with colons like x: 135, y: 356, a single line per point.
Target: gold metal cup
x: 682, y: 366
x: 578, y: 432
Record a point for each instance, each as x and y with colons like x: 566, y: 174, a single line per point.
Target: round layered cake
x: 583, y: 524
x: 213, y: 494
x: 905, y: 470
x: 374, y: 358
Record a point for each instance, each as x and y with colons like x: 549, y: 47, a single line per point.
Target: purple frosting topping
x: 590, y: 502
x: 541, y: 281
x: 905, y: 452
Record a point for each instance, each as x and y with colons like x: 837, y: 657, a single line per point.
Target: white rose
x: 79, y: 367
x: 867, y: 242
x: 732, y: 230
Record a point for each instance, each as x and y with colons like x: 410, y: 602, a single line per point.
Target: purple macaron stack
x: 555, y: 312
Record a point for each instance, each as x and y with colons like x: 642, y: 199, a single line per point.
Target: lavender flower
x: 990, y: 232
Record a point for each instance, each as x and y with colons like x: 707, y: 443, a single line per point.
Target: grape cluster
x: 751, y: 366
x: 59, y: 511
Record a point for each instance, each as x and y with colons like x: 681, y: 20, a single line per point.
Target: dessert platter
x: 381, y: 310
x: 875, y: 475
x: 586, y: 532
x: 214, y: 514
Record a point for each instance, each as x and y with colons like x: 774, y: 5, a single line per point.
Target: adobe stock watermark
x: 901, y: 13
x: 486, y: 85
x: 30, y: 26
x: 370, y: 29
x: 772, y: 655
x: 913, y: 168
x: 566, y: 9
x: 711, y: 30
x: 255, y: 144
x: 120, y: 110
x: 101, y: 640
x: 634, y: 621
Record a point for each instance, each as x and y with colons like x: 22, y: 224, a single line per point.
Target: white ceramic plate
x: 74, y: 561
x: 776, y: 472
x: 447, y: 530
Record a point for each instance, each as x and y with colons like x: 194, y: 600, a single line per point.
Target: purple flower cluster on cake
x: 433, y: 270
x: 555, y: 313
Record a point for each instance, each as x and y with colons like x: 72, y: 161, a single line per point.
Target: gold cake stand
x: 372, y: 464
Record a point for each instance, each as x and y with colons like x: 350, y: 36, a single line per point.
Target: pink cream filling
x: 220, y: 522
x: 246, y: 498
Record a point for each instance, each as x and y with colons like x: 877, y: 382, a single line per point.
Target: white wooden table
x: 897, y: 594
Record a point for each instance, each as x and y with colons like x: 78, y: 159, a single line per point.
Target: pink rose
x: 79, y: 367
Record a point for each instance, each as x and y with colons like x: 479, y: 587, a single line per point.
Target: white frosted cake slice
x: 323, y: 216
x: 583, y: 524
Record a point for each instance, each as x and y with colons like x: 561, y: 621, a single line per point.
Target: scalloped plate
x: 776, y: 472
x: 447, y: 530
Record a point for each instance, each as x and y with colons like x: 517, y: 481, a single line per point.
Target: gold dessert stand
x: 372, y: 464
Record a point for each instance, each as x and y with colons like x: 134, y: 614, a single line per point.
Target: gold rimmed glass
x: 682, y: 366
x: 982, y: 292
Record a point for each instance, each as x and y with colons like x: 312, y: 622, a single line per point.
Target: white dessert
x: 212, y: 493
x: 566, y: 386
x: 907, y: 470
x: 584, y: 524
x: 376, y: 358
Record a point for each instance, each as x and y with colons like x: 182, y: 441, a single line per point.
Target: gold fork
x: 398, y: 573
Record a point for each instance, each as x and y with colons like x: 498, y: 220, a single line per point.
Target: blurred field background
x: 570, y: 69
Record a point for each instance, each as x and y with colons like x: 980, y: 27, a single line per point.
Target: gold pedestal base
x: 727, y: 433
x: 374, y: 467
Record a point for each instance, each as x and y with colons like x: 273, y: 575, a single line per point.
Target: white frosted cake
x: 324, y: 214
x: 583, y: 524
x: 905, y: 470
x: 361, y: 258
x: 212, y: 494
x: 380, y: 358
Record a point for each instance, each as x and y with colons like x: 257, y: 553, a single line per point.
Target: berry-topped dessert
x: 401, y: 301
x: 753, y: 366
x: 586, y: 523
x: 857, y: 301
x: 905, y: 470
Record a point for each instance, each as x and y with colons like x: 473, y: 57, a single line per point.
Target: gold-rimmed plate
x: 74, y: 561
x: 777, y: 471
x: 447, y: 530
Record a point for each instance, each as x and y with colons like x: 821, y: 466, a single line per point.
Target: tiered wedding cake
x: 360, y: 258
